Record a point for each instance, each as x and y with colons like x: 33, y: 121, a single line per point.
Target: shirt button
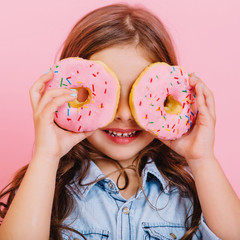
x: 110, y: 184
x: 126, y: 210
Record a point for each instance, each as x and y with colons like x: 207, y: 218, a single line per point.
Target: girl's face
x: 123, y: 138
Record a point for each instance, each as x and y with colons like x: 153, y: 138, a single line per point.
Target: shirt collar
x: 151, y: 169
x: 95, y: 173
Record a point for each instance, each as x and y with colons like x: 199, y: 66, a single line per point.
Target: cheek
x: 147, y: 137
x: 95, y: 139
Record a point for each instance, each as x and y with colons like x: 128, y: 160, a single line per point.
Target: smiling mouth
x: 122, y: 134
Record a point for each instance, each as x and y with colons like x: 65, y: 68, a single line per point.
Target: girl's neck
x: 110, y: 167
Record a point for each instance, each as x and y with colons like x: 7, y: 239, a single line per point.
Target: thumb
x: 81, y: 136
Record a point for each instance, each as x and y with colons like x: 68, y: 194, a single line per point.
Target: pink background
x: 206, y: 35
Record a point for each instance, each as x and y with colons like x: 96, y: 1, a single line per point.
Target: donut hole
x: 172, y: 106
x: 83, y: 97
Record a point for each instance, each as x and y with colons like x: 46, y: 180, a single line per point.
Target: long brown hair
x: 111, y: 25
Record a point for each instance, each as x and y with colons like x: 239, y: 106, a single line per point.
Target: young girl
x: 91, y: 186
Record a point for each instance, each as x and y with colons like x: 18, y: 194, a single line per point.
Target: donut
x: 98, y: 92
x: 162, y: 101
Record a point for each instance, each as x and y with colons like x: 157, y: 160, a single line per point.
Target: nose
x: 123, y: 111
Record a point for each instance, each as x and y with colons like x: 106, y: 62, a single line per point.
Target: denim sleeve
x: 207, y: 234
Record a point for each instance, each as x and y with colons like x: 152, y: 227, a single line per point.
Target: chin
x: 122, y: 155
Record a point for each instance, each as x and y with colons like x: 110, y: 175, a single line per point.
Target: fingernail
x: 195, y: 74
x: 201, y: 85
x: 73, y: 89
x: 47, y: 72
x: 73, y: 94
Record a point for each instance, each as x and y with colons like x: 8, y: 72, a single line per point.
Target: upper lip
x: 121, y: 130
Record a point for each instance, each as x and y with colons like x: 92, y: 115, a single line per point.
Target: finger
x: 209, y: 98
x: 193, y: 79
x: 78, y: 137
x: 54, y: 104
x: 201, y: 104
x: 208, y: 95
x: 52, y: 93
x: 196, y: 82
x: 38, y: 87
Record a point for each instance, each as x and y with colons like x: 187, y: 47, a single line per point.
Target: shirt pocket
x: 90, y: 234
x: 165, y: 231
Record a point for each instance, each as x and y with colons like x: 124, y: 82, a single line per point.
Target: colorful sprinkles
x: 154, y: 118
x: 73, y: 80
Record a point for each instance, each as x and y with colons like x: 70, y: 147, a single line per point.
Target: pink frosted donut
x: 163, y: 102
x: 97, y: 82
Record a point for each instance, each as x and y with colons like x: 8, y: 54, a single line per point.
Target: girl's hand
x: 50, y: 140
x: 198, y: 143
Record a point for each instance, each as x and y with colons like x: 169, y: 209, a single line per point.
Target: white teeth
x: 118, y: 134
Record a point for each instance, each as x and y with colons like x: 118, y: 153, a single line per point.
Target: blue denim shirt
x: 102, y: 213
